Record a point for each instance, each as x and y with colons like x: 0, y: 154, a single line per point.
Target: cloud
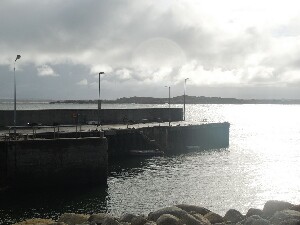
x: 83, y: 82
x: 217, y: 44
x: 46, y: 70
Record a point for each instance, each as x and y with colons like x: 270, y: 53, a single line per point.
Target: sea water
x: 261, y: 163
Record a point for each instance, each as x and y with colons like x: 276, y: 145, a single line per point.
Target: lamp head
x: 101, y: 73
x: 18, y: 57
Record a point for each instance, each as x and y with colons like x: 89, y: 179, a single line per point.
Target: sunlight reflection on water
x: 261, y: 163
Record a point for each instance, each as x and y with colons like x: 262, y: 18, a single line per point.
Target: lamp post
x: 169, y: 104
x: 184, y: 91
x: 15, y: 95
x: 99, y: 100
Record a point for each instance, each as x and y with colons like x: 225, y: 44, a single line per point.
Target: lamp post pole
x: 184, y: 91
x: 169, y: 104
x: 99, y: 100
x: 15, y: 95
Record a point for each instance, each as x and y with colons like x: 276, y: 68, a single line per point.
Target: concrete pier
x: 53, y: 162
x: 83, y: 116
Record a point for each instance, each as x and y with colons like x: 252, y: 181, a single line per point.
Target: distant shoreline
x: 180, y: 100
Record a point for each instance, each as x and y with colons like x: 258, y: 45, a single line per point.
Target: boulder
x: 284, y: 216
x: 193, y: 209
x: 99, y: 218
x: 138, y: 220
x: 73, y: 219
x: 36, y: 221
x: 296, y: 208
x: 190, y: 220
x: 202, y: 219
x: 250, y: 220
x: 175, y: 211
x: 150, y: 223
x: 253, y: 211
x: 233, y: 216
x: 127, y: 217
x: 273, y: 206
x: 168, y: 219
x: 214, y: 217
x: 109, y: 221
x: 261, y: 222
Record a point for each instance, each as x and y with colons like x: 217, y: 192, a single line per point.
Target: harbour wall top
x: 82, y: 116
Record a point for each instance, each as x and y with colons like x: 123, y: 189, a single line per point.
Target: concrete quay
x: 74, y: 155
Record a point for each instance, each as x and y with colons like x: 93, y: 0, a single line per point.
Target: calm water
x: 262, y: 163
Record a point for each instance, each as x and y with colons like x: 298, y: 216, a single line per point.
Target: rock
x: 168, y: 219
x: 194, y: 209
x: 290, y: 222
x: 127, y: 217
x: 233, y: 216
x: 250, y: 220
x: 296, y: 208
x: 285, y: 215
x: 36, y: 221
x: 273, y: 206
x: 73, y: 219
x: 202, y: 219
x: 214, y: 217
x: 191, y: 220
x: 138, y: 220
x: 150, y: 223
x: 110, y: 221
x: 99, y: 218
x: 58, y: 223
x: 253, y: 211
x: 261, y: 222
x: 175, y: 211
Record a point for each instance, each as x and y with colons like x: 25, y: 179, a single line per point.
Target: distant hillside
x: 179, y: 100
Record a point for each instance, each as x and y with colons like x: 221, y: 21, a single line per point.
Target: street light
x: 169, y: 104
x: 99, y: 100
x: 15, y: 95
x: 184, y: 98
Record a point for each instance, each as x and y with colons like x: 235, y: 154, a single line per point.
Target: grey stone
x: 191, y: 220
x: 202, y: 219
x: 291, y: 222
x: 274, y: 206
x: 168, y: 219
x: 194, y: 209
x: 253, y: 211
x: 214, y: 217
x: 233, y: 216
x: 150, y: 223
x: 250, y: 220
x: 73, y: 219
x: 175, y: 211
x: 99, y: 218
x: 296, y: 208
x: 138, y: 220
x: 261, y: 222
x: 285, y: 215
x: 110, y: 221
x: 127, y: 217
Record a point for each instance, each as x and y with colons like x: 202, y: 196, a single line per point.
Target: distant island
x: 180, y: 100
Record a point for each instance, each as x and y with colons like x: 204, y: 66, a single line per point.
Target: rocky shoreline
x: 273, y: 213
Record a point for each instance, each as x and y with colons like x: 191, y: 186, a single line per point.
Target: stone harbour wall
x: 48, y: 163
x: 74, y: 116
x: 273, y: 213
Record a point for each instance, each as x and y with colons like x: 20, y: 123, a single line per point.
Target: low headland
x: 180, y: 100
x: 273, y: 213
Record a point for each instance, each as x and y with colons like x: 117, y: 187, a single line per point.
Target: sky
x: 232, y: 48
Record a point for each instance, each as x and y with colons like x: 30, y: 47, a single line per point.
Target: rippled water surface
x: 261, y: 163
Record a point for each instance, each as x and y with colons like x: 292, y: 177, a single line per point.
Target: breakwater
x: 273, y: 213
x: 83, y: 116
x: 53, y: 162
